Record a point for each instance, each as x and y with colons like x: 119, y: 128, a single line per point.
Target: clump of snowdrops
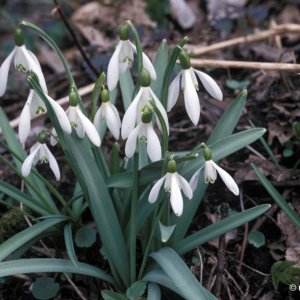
x: 146, y: 200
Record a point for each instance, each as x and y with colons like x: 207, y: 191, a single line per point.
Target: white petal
x: 113, y: 68
x: 153, y: 144
x: 36, y: 105
x: 210, y: 173
x: 25, y: 119
x: 173, y: 92
x: 4, y: 71
x: 113, y: 120
x: 20, y: 59
x: 185, y: 187
x: 191, y: 99
x: 131, y: 142
x: 129, y: 119
x: 194, y: 180
x: 61, y: 115
x: 228, y: 180
x: 176, y: 197
x: 98, y: 117
x: 89, y: 128
x: 155, y: 190
x: 160, y: 108
x: 53, y: 138
x: 27, y: 164
x: 210, y: 85
x: 52, y: 162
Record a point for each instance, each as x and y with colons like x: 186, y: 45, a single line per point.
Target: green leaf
x: 293, y: 216
x: 154, y: 292
x: 127, y: 88
x: 109, y: 295
x: 214, y: 230
x: 160, y: 64
x: 189, y: 287
x: 229, y: 119
x: 237, y: 85
x: 69, y: 244
x: 284, y: 272
x: 166, y: 231
x: 50, y: 265
x: 45, y: 288
x: 136, y: 290
x: 85, y: 237
x: 143, y: 155
x: 256, y: 238
x: 19, y: 239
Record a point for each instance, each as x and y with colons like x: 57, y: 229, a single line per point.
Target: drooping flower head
x: 122, y: 59
x: 187, y: 79
x: 134, y: 111
x: 144, y: 130
x: 210, y: 174
x: 24, y: 60
x: 173, y: 184
x: 108, y: 112
x: 39, y: 152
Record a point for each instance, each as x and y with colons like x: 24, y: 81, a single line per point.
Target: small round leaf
x: 256, y: 238
x: 85, y: 237
x: 45, y: 288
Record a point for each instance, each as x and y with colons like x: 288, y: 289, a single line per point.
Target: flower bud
x: 19, y: 37
x: 73, y: 100
x: 42, y: 137
x: 207, y: 154
x: 123, y: 32
x: 145, y: 78
x: 184, y: 60
x: 104, y: 95
x: 171, y: 168
x: 147, y: 116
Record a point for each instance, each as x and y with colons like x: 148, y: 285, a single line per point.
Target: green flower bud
x: 73, y: 99
x: 147, y: 116
x: 145, y: 78
x: 42, y: 137
x: 19, y: 37
x: 171, y: 168
x: 104, y: 95
x: 207, y: 154
x: 184, y: 60
x: 124, y: 32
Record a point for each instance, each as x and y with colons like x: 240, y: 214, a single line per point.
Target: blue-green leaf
x: 70, y: 244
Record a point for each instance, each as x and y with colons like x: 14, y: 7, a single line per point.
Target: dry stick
x: 278, y: 30
x: 72, y: 33
x: 212, y: 63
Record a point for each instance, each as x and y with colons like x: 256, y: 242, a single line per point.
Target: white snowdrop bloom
x: 173, y: 183
x: 108, y: 112
x: 80, y: 122
x: 122, y: 59
x: 133, y: 113
x: 24, y: 60
x: 39, y: 152
x: 144, y: 130
x: 189, y: 85
x: 210, y: 174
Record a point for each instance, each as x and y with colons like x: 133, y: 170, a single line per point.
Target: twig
x: 212, y: 63
x: 261, y: 35
x: 72, y: 33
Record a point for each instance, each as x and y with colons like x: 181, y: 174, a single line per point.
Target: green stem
x: 96, y: 94
x: 169, y: 70
x: 134, y: 200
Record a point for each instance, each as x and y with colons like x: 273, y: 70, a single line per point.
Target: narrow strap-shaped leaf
x: 215, y: 230
x: 229, y: 119
x: 153, y: 292
x: 69, y: 244
x: 127, y: 88
x: 189, y: 287
x: 50, y: 265
x: 294, y: 217
x: 26, y: 235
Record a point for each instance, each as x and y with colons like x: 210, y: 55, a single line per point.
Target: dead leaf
x: 50, y: 58
x: 280, y: 131
x: 182, y: 13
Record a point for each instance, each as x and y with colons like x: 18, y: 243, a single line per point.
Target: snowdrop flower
x: 39, y: 152
x: 210, y: 174
x: 108, y: 112
x: 134, y: 111
x: 144, y: 130
x: 190, y: 87
x: 122, y: 59
x: 24, y: 60
x: 173, y: 184
x: 35, y: 106
x: 80, y: 122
